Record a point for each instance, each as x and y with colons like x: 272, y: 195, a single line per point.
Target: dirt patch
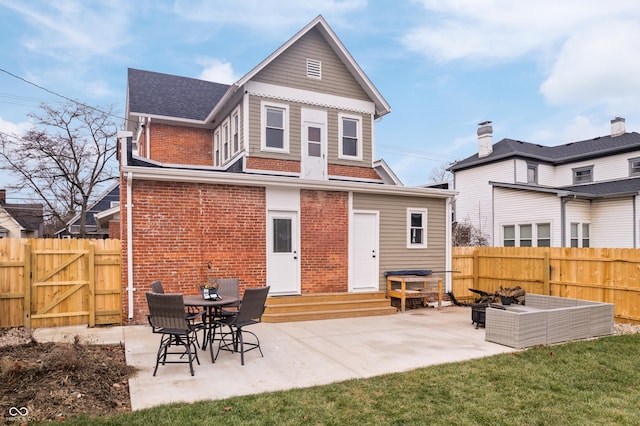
x: 53, y: 381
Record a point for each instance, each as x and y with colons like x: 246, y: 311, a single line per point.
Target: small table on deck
x: 405, y: 292
x: 211, y: 306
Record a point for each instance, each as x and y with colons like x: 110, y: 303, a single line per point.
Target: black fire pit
x: 478, y: 313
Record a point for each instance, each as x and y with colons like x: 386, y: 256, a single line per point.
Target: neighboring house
x: 272, y: 179
x: 20, y: 220
x: 102, y: 217
x: 580, y: 194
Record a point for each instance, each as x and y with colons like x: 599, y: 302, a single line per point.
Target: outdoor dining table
x: 212, y: 306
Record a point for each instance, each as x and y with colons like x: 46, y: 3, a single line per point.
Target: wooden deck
x: 326, y: 306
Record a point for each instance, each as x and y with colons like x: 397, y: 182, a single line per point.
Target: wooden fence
x: 56, y: 282
x: 599, y: 274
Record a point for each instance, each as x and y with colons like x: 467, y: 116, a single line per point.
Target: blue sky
x: 547, y: 72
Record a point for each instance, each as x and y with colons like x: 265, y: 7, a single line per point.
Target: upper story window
x: 314, y: 69
x: 350, y: 137
x: 417, y: 228
x: 583, y: 174
x: 225, y: 141
x: 235, y: 131
x: 275, y: 127
x: 532, y: 173
x: 216, y: 148
x: 634, y: 167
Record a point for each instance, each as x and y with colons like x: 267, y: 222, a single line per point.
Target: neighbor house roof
x: 609, y: 189
x: 555, y: 155
x: 29, y: 216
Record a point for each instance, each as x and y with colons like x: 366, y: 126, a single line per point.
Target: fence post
x: 91, y: 261
x: 476, y: 269
x: 546, y: 273
x: 27, y: 282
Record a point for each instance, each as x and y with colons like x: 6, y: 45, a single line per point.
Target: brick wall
x: 179, y: 228
x: 351, y: 171
x: 274, y: 165
x: 194, y: 147
x: 324, y: 238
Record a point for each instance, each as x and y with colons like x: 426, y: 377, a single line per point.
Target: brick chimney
x: 485, y: 139
x: 3, y: 197
x: 617, y: 127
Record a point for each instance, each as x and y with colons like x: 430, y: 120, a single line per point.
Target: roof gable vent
x: 314, y: 69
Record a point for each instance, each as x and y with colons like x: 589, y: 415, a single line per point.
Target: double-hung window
x: 532, y: 173
x: 416, y: 228
x: 225, y: 141
x: 216, y: 148
x: 585, y: 235
x: 634, y: 167
x: 275, y: 132
x: 350, y: 137
x: 526, y: 239
x: 235, y: 131
x: 509, y: 236
x: 544, y: 234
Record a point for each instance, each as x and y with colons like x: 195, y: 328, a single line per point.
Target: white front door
x: 364, y: 255
x: 314, y: 144
x: 283, y: 258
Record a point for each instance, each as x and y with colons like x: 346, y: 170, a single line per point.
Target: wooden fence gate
x: 56, y: 282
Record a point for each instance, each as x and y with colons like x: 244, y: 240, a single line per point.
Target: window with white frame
x: 543, y: 231
x: 583, y: 174
x: 532, y: 173
x: 509, y: 236
x: 275, y: 127
x: 225, y: 141
x: 350, y: 137
x: 634, y: 167
x: 416, y: 228
x: 585, y: 235
x: 526, y: 235
x: 235, y: 131
x: 216, y: 148
x: 580, y: 234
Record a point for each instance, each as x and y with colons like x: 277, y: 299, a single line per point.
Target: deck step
x: 326, y: 306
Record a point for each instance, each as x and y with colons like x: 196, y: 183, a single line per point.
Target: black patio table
x: 211, y: 307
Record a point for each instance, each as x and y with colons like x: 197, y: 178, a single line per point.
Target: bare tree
x: 64, y: 158
x: 441, y: 174
x: 465, y: 234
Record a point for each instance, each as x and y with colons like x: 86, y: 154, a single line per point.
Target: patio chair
x: 166, y: 317
x: 226, y: 287
x: 193, y: 314
x: 249, y: 313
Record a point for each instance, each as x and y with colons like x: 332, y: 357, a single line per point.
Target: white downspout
x: 130, y: 288
x: 147, y: 136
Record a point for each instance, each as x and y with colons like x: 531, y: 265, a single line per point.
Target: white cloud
x: 597, y: 65
x: 273, y: 16
x: 217, y: 71
x: 16, y: 129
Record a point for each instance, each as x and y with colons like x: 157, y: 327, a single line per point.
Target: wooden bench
x: 404, y: 287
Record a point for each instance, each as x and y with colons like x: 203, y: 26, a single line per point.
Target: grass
x: 594, y: 382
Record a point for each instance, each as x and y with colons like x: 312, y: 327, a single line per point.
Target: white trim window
x: 235, y: 131
x: 216, y: 148
x: 275, y: 127
x: 416, y: 228
x: 226, y: 146
x: 350, y: 137
x: 582, y: 174
x: 509, y: 236
x: 580, y: 235
x: 526, y: 235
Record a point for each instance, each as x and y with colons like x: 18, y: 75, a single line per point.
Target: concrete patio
x: 296, y: 354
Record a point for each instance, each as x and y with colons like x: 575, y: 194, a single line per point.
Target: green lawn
x: 593, y: 382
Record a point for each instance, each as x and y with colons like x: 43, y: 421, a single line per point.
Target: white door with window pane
x: 283, y: 258
x: 314, y: 144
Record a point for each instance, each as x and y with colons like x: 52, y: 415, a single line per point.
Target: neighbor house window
x: 225, y: 141
x: 544, y: 234
x: 509, y: 236
x: 583, y: 174
x: 275, y: 133
x: 525, y: 236
x: 585, y: 235
x: 350, y: 137
x: 235, y: 131
x: 532, y: 173
x: 417, y: 228
x: 216, y: 148
x: 634, y: 167
x: 574, y: 234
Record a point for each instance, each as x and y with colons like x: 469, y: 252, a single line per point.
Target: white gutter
x: 130, y: 288
x: 212, y: 177
x: 147, y: 136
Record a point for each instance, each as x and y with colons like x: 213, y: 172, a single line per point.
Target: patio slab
x: 297, y: 354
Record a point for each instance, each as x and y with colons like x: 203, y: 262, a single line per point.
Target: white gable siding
x: 520, y: 171
x: 474, y: 201
x: 546, y: 175
x: 612, y: 224
x: 608, y: 168
x: 514, y: 207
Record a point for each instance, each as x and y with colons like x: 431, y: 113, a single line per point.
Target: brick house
x: 272, y: 179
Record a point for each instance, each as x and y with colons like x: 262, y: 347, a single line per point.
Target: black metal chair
x: 249, y: 313
x: 167, y: 317
x: 229, y: 287
x: 195, y: 316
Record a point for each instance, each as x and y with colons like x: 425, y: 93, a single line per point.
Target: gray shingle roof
x: 614, y: 188
x: 168, y: 95
x: 560, y: 154
x: 29, y: 216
